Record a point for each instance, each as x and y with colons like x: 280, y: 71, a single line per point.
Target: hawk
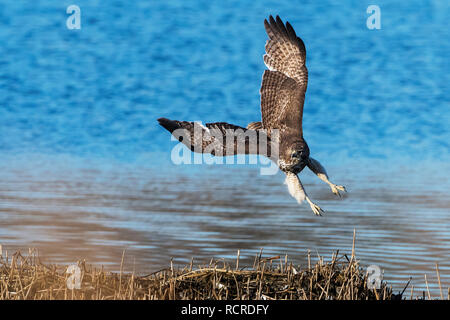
x: 280, y: 132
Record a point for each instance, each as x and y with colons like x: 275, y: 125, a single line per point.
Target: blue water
x: 80, y: 145
x: 98, y: 91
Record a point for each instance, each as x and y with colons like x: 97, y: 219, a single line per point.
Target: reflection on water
x: 401, y: 216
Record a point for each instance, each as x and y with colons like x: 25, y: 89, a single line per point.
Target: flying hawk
x: 280, y: 131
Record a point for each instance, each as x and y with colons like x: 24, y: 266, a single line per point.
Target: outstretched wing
x: 284, y: 84
x: 285, y: 52
x: 218, y: 138
x: 281, y: 103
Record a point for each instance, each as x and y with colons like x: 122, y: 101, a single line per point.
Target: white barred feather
x: 295, y: 187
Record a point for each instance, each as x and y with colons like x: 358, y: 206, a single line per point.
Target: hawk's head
x: 293, y: 156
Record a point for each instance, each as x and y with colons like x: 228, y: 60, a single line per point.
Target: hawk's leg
x: 296, y: 190
x: 320, y: 171
x: 314, y: 207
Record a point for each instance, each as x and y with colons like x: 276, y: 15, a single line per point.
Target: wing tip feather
x: 169, y: 125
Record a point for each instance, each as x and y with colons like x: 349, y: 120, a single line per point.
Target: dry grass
x: 342, y: 278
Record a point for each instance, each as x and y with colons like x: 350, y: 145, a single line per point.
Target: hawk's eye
x: 295, y: 154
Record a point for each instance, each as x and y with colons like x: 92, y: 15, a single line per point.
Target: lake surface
x: 86, y: 172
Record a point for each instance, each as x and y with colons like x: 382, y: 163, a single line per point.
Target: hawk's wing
x: 218, y: 138
x: 284, y: 84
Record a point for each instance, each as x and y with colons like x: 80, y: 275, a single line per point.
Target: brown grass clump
x: 270, y: 279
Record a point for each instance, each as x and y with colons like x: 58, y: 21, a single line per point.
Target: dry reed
x: 25, y: 277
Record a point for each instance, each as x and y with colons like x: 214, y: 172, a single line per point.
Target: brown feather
x: 283, y: 87
x: 212, y: 137
x: 255, y: 125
